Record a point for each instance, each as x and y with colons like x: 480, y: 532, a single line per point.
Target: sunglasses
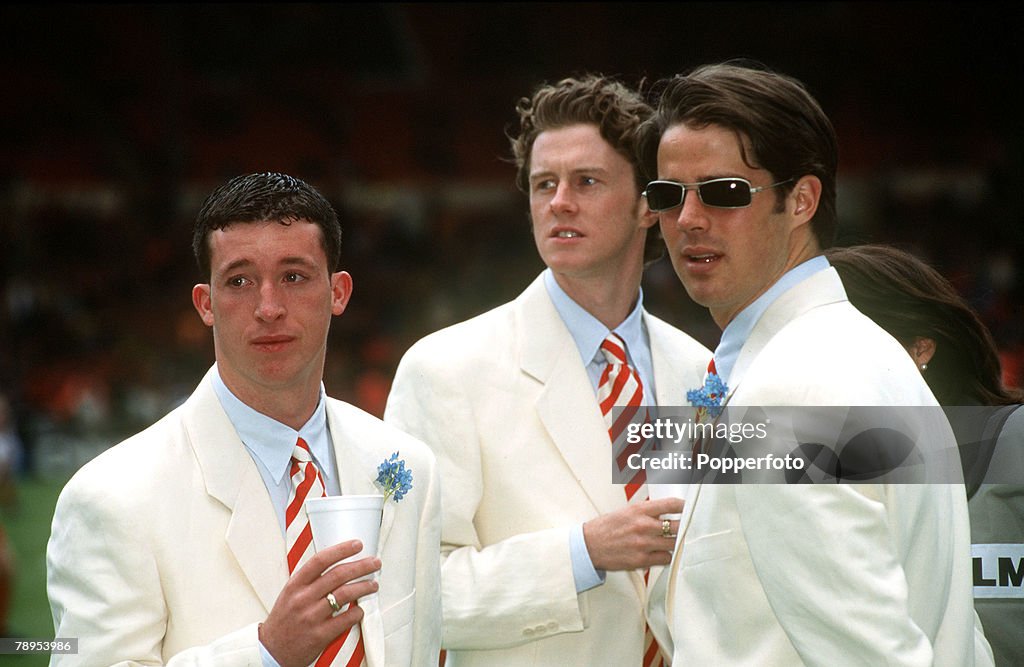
x: 718, y: 192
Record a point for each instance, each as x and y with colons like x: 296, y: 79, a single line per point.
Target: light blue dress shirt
x: 736, y: 333
x: 589, y: 333
x: 270, y: 444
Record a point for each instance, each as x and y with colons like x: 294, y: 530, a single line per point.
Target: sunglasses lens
x: 726, y: 193
x: 662, y: 196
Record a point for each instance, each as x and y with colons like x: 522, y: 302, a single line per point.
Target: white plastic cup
x: 337, y: 519
x: 657, y: 491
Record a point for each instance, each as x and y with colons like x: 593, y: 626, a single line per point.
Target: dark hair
x: 910, y: 299
x: 616, y: 110
x: 265, y: 197
x: 788, y: 133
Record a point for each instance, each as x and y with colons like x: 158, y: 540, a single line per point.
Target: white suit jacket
x: 505, y: 402
x: 166, y: 548
x: 850, y: 574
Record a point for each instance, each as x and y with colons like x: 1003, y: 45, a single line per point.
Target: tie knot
x: 614, y: 349
x: 301, y: 452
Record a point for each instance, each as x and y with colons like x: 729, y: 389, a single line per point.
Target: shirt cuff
x: 583, y: 572
x: 266, y: 659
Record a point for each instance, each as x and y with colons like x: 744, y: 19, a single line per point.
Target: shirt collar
x: 587, y: 331
x: 266, y: 437
x: 736, y: 332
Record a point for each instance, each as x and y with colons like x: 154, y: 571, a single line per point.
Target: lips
x: 565, y: 233
x: 706, y: 258
x: 272, y: 343
x: 699, y: 258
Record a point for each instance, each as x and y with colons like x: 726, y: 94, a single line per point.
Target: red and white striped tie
x: 621, y: 387
x: 347, y: 649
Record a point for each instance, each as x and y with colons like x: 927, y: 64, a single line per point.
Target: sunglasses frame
x: 697, y: 186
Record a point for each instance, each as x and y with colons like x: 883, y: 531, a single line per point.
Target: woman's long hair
x: 910, y: 299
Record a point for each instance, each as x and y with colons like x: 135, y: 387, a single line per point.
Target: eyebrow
x: 285, y: 262
x: 573, y: 172
x: 702, y: 179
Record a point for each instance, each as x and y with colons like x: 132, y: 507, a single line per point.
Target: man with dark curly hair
x: 544, y: 559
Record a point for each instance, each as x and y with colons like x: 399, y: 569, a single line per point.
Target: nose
x: 563, y: 199
x: 691, y: 216
x: 270, y: 305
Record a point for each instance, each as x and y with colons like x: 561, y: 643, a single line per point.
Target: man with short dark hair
x: 787, y: 574
x: 188, y: 543
x: 544, y: 558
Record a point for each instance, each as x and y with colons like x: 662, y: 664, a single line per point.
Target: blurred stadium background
x: 119, y: 119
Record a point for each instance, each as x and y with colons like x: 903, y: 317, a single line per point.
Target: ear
x: 203, y: 304
x: 646, y: 217
x: 341, y: 291
x: 805, y: 196
x: 921, y: 350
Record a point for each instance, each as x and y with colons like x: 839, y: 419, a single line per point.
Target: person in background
x: 958, y: 358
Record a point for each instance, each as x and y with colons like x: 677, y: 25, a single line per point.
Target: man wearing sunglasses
x: 543, y: 557
x: 779, y: 574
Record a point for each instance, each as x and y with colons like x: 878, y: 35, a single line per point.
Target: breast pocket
x: 398, y: 631
x: 399, y: 615
x: 714, y: 546
x: 718, y: 577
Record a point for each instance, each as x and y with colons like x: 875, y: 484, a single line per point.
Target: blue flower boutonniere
x: 708, y: 399
x: 393, y: 478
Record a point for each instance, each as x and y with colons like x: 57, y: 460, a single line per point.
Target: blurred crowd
x: 100, y: 337
x: 122, y: 120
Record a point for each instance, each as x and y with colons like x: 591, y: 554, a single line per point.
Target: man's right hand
x: 631, y: 538
x: 302, y: 624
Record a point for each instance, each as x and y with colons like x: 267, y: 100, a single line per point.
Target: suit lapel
x: 672, y: 377
x: 692, y: 496
x: 821, y: 288
x: 253, y: 534
x: 259, y: 552
x: 357, y: 471
x: 567, y: 404
x: 357, y: 467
